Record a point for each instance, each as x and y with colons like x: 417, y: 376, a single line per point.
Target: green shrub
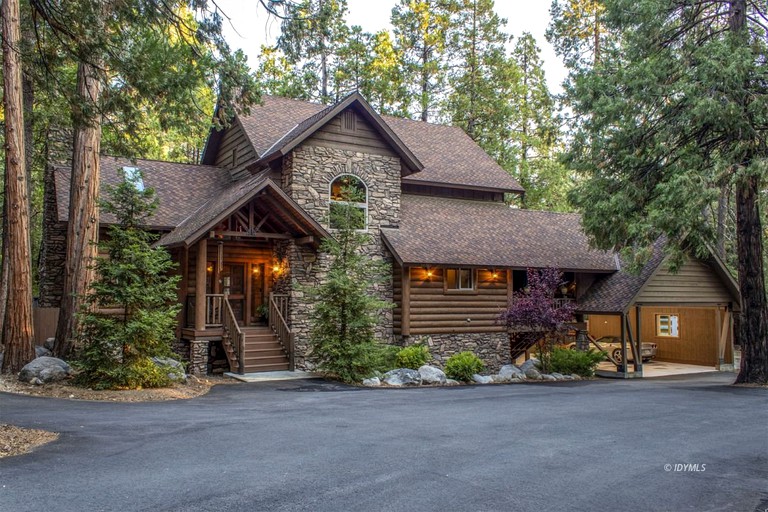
x: 463, y: 365
x: 385, y: 358
x: 413, y: 357
x: 567, y: 361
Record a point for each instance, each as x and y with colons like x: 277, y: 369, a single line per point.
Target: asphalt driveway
x: 673, y: 444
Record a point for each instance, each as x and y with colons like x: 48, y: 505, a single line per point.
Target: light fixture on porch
x: 494, y: 274
x: 430, y: 273
x: 256, y: 269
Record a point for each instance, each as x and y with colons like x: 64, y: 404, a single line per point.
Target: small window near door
x: 667, y: 326
x: 459, y: 279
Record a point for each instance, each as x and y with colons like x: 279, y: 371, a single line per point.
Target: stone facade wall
x: 53, y: 249
x: 307, y: 180
x: 491, y: 347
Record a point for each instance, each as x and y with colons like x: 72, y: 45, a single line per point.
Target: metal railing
x: 278, y: 312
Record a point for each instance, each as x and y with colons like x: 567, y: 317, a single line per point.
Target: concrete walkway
x: 273, y: 376
x: 662, y: 368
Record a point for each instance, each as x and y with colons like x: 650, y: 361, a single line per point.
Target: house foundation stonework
x: 492, y: 348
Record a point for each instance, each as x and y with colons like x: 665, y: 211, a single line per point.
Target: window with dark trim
x: 459, y: 279
x: 349, y: 190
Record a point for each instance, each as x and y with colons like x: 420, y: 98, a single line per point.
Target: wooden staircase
x: 262, y: 352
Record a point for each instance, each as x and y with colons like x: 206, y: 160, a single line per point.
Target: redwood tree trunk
x: 18, y: 328
x: 83, y: 225
x: 754, y: 316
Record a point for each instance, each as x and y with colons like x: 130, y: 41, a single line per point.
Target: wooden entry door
x: 235, y: 274
x: 258, y: 302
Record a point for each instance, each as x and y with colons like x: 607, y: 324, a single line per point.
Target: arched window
x: 348, y: 202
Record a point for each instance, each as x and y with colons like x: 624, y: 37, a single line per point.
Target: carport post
x: 623, y: 367
x: 638, y: 341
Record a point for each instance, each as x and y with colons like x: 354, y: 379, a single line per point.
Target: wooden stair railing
x: 278, y: 310
x: 233, y: 339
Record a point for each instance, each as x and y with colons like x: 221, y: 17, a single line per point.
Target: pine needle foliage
x: 343, y: 337
x: 133, y: 278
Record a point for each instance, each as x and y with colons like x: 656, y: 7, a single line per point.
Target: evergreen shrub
x: 463, y: 366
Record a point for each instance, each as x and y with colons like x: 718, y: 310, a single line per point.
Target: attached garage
x: 687, y: 314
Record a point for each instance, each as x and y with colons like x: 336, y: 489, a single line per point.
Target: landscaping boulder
x: 44, y: 370
x: 49, y: 343
x: 558, y: 376
x: 510, y: 371
x: 41, y: 351
x: 451, y: 382
x: 532, y: 373
x: 546, y: 376
x: 372, y: 382
x: 431, y: 375
x: 174, y: 368
x: 402, y: 377
x: 576, y: 377
x: 482, y: 379
x: 531, y: 363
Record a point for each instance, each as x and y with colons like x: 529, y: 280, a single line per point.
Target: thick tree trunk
x: 753, y: 332
x: 754, y: 313
x: 18, y: 329
x: 83, y: 226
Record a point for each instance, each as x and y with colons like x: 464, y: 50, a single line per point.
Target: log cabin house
x: 246, y: 226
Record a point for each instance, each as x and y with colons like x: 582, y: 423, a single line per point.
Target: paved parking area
x: 669, y: 444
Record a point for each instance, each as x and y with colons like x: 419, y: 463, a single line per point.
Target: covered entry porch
x: 235, y: 277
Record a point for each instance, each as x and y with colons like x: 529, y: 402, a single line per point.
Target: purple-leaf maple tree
x: 536, y: 309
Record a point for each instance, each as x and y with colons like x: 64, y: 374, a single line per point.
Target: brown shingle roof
x: 449, y: 156
x: 615, y: 293
x: 234, y: 196
x: 439, y: 231
x: 180, y: 188
x: 310, y: 125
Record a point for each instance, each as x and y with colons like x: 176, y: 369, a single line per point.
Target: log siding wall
x: 435, y: 310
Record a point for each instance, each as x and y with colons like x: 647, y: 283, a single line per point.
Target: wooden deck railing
x: 278, y: 312
x: 214, y: 304
x: 233, y: 339
x: 214, y: 307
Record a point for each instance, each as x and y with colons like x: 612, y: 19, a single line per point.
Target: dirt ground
x: 16, y: 440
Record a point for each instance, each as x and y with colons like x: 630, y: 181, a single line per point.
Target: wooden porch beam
x: 305, y: 240
x: 405, y: 316
x: 279, y: 236
x: 200, y: 274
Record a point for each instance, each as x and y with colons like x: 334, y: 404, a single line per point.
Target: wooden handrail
x: 278, y: 310
x: 232, y: 332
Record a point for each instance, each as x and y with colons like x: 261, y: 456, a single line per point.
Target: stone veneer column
x: 198, y: 357
x: 311, y: 170
x: 53, y: 249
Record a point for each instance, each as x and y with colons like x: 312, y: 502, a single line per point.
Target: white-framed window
x: 667, y: 326
x: 349, y: 190
x: 459, y: 279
